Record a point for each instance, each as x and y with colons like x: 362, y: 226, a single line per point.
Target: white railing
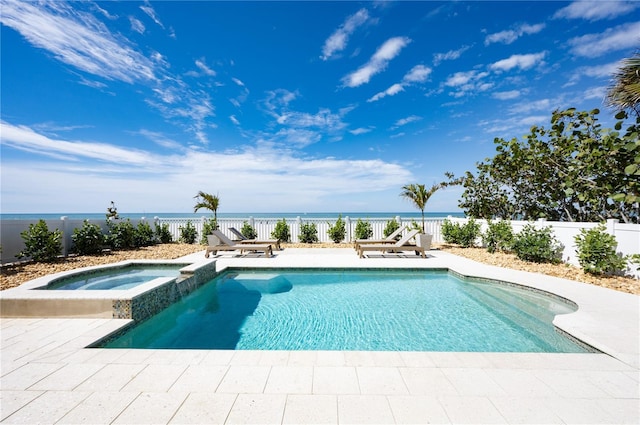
x: 12, y: 242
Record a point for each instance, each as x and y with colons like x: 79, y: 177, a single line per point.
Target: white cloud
x: 509, y: 36
x: 234, y: 120
x: 274, y: 179
x: 596, y: 10
x: 378, y: 62
x: 146, y: 8
x: 78, y: 40
x: 522, y: 62
x: 200, y: 63
x: 391, y: 91
x: 338, y: 40
x: 417, y: 74
x: 622, y: 37
x: 136, y: 25
x: 506, y: 95
x: 360, y: 130
x: 450, y: 55
x: 407, y: 120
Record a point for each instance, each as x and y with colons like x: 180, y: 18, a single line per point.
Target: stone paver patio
x: 48, y: 376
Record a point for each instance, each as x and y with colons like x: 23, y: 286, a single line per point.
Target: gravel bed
x: 16, y: 274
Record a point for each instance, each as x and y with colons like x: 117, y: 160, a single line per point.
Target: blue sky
x: 284, y: 106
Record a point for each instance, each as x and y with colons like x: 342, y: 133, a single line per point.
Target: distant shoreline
x: 200, y: 214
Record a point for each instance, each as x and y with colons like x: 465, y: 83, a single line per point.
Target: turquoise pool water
x: 125, y: 277
x: 355, y: 310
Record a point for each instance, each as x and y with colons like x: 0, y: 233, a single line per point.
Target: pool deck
x: 48, y: 376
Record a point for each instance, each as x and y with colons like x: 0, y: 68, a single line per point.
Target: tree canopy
x: 573, y: 171
x: 208, y: 202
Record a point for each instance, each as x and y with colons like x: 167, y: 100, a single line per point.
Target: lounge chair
x: 225, y: 244
x: 389, y: 239
x: 244, y: 239
x: 401, y: 246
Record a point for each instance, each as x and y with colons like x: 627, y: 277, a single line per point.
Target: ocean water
x: 203, y: 213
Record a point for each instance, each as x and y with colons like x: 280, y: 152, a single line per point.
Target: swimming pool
x: 115, y: 278
x: 369, y: 310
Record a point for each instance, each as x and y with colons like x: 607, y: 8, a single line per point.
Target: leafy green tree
x: 419, y: 195
x: 573, y: 171
x: 207, y: 201
x: 391, y: 226
x: 363, y: 229
x: 338, y: 231
x: 597, y: 251
x: 40, y: 243
x: 282, y: 232
x: 88, y: 239
x: 248, y: 231
x: 308, y: 233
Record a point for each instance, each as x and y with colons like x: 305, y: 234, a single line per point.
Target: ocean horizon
x: 208, y: 214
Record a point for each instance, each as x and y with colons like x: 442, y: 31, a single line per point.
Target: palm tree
x: 625, y: 91
x: 207, y: 201
x: 419, y: 195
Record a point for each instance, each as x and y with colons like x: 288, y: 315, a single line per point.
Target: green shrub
x: 338, y: 231
x: 415, y: 226
x: 308, y: 233
x: 391, y: 226
x: 40, y: 243
x: 122, y: 234
x: 163, y: 235
x: 88, y: 239
x: 207, y: 229
x: 537, y: 245
x: 282, y: 231
x: 248, y: 231
x: 464, y: 235
x: 498, y: 237
x: 188, y: 233
x: 597, y: 251
x: 144, y: 235
x: 363, y: 230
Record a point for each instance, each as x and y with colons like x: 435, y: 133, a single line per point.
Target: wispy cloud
x: 338, y: 40
x: 148, y: 9
x: 299, y: 129
x: 509, y: 36
x: 438, y: 58
x: 160, y: 139
x: 77, y: 39
x: 276, y: 179
x: 507, y: 95
x: 203, y: 69
x: 361, y: 130
x: 404, y: 121
x: 136, y: 25
x: 522, y: 62
x: 378, y: 62
x: 596, y: 10
x: 26, y: 139
x: 468, y: 82
x: 417, y: 74
x: 623, y: 37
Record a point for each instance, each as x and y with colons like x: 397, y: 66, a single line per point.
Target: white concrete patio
x: 48, y: 376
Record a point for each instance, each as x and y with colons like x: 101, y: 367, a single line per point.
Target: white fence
x: 627, y: 235
x: 12, y: 243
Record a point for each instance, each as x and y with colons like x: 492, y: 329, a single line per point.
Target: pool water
x: 115, y: 278
x: 355, y: 310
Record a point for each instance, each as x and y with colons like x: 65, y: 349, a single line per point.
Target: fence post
x: 294, y: 237
x: 252, y: 222
x: 347, y: 224
x: 611, y: 226
x: 65, y: 246
x: 541, y: 222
